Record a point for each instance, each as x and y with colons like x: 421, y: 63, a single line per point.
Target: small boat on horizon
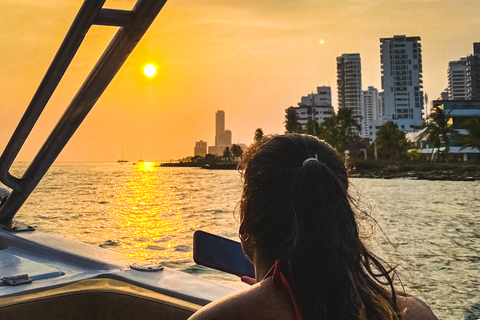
x: 122, y: 160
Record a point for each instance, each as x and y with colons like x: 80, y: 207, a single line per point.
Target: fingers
x: 248, y: 280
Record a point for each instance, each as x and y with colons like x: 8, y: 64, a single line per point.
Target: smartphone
x: 220, y: 253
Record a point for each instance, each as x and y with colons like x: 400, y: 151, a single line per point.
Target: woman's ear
x: 243, y: 231
x: 246, y: 241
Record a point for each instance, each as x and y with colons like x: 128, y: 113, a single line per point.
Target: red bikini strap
x: 279, y: 277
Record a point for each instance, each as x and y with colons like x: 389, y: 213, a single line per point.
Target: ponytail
x: 320, y: 263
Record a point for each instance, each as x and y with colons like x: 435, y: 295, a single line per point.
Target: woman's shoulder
x: 267, y: 301
x: 230, y: 307
x: 414, y: 308
x: 261, y: 301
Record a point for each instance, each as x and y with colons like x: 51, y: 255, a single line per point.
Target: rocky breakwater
x: 427, y: 171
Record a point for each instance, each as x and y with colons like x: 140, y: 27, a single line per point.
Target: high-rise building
x: 372, y: 109
x: 228, y: 138
x: 200, y: 148
x: 476, y: 48
x: 473, y: 72
x: 464, y: 77
x: 314, y: 106
x: 402, y: 83
x: 223, y: 138
x: 220, y: 128
x: 444, y: 95
x: 458, y: 80
x: 381, y: 112
x: 323, y: 97
x: 349, y: 83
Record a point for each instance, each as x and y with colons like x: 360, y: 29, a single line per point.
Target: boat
x: 122, y: 161
x: 44, y: 276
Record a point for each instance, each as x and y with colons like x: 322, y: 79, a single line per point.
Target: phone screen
x: 220, y: 253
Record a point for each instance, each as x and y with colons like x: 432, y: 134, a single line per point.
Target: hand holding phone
x: 222, y: 254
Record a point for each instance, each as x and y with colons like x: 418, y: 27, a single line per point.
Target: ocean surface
x: 149, y: 213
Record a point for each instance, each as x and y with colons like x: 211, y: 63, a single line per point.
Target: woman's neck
x: 262, y: 267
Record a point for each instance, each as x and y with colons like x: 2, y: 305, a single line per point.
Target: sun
x: 150, y: 70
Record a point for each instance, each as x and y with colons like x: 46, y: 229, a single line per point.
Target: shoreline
x: 435, y: 171
x: 414, y: 176
x: 371, y: 169
x: 221, y: 165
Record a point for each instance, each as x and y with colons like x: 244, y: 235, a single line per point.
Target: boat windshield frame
x: 132, y: 26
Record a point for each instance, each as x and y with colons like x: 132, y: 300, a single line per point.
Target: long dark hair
x: 300, y: 212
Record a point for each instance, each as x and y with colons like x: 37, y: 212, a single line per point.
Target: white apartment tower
x: 464, y: 77
x: 315, y: 106
x: 402, y: 84
x: 372, y: 109
x: 349, y: 83
x: 323, y: 97
x: 458, y: 80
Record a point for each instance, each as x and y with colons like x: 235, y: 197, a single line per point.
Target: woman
x: 300, y: 231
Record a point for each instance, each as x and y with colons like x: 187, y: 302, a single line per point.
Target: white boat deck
x: 52, y: 262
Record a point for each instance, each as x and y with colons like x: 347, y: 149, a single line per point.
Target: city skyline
x: 252, y: 59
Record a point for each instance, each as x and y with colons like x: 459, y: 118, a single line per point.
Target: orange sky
x: 250, y: 58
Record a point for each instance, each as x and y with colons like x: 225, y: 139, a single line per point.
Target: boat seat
x: 96, y: 299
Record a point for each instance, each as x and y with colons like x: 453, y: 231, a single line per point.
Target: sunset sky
x: 250, y: 58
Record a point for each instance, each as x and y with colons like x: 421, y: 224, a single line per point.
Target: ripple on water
x: 183, y: 248
x: 155, y: 247
x: 110, y: 243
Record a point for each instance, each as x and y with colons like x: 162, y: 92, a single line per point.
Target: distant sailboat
x: 140, y: 161
x: 122, y: 160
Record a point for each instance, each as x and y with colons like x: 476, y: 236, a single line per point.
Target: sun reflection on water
x: 147, y: 215
x: 144, y: 212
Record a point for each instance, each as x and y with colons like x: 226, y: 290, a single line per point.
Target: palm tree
x: 291, y: 121
x: 472, y: 138
x: 312, y: 127
x: 328, y: 131
x: 258, y: 135
x: 340, y: 130
x: 227, y: 153
x: 236, y: 150
x: 391, y: 142
x: 347, y: 128
x: 346, y: 120
x: 438, y: 129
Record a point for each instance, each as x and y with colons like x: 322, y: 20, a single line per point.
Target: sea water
x: 429, y: 229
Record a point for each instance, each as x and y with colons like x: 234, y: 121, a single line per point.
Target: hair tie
x: 311, y: 159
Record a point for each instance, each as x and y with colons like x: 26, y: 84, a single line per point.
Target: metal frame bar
x: 133, y: 25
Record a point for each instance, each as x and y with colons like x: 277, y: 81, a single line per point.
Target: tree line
x: 342, y: 130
